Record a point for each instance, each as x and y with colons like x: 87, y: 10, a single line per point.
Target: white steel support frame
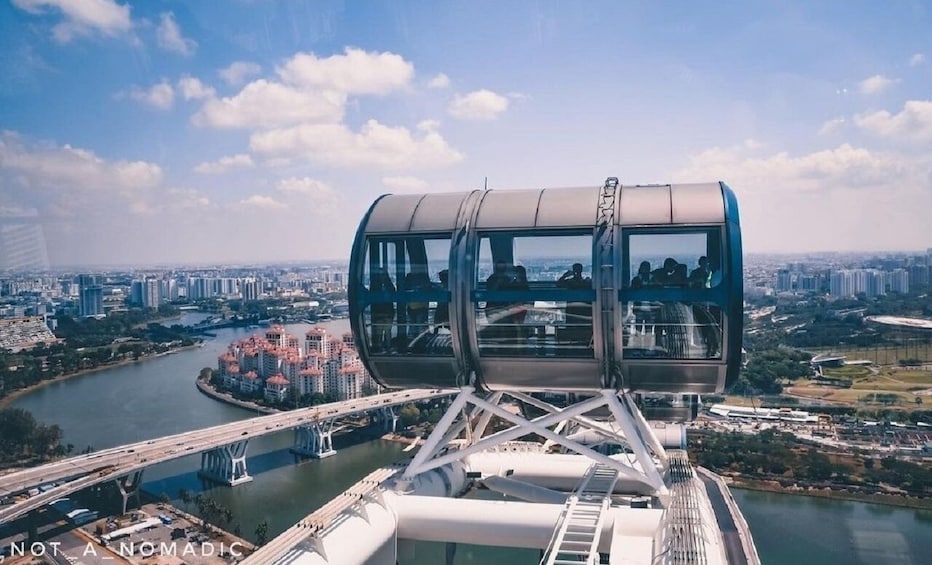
x: 637, y: 435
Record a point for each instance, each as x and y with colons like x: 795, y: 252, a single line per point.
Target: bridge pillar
x: 226, y: 464
x: 387, y: 418
x: 314, y: 440
x: 128, y: 485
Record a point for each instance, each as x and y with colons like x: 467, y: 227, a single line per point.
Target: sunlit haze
x: 207, y: 132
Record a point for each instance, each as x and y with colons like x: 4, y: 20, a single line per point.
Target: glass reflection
x: 672, y: 330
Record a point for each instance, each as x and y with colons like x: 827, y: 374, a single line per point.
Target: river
x: 157, y: 397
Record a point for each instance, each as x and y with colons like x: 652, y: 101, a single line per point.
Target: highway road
x: 77, y: 473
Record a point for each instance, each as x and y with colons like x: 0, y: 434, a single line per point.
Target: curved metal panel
x: 438, y: 212
x: 644, y: 205
x: 697, y: 204
x: 392, y: 213
x: 568, y: 207
x: 735, y: 328
x: 356, y: 289
x: 508, y: 209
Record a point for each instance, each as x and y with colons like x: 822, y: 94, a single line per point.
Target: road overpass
x: 80, y: 472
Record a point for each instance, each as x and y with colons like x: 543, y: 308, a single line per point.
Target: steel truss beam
x: 649, y: 457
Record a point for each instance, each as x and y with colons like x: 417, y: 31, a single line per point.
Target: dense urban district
x: 833, y: 396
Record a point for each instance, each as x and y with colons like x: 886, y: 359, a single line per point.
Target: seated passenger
x: 701, y: 276
x: 679, y: 275
x: 644, y: 277
x: 574, y: 279
x: 666, y: 274
x: 578, y: 314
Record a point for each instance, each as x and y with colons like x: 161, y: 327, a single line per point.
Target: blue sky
x: 164, y: 132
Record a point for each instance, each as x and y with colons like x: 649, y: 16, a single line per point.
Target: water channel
x: 157, y: 397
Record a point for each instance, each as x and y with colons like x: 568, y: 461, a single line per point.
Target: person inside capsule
x: 578, y: 314
x: 417, y: 281
x: 644, y: 276
x: 701, y: 276
x: 383, y: 313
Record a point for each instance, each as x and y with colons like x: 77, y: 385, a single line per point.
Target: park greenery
x: 90, y: 343
x: 780, y: 456
x: 24, y: 441
x: 780, y: 344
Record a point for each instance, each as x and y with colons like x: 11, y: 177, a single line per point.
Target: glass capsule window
x: 671, y: 304
x: 691, y: 259
x: 408, y: 296
x: 534, y: 295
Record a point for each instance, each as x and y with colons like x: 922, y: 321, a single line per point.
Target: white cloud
x: 439, y: 81
x: 186, y: 198
x: 170, y: 38
x: 839, y: 198
x: 260, y: 201
x: 304, y: 190
x: 304, y: 185
x: 82, y: 17
x: 238, y: 71
x: 478, y: 105
x: 374, y: 145
x: 917, y: 59
x: 914, y: 122
x: 65, y: 180
x: 159, y: 96
x: 832, y: 126
x: 225, y: 164
x: 876, y: 84
x: 405, y: 184
x: 264, y: 104
x: 355, y: 72
x: 193, y: 89
x: 843, y: 167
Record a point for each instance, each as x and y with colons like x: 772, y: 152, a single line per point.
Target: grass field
x: 900, y: 384
x: 883, y: 355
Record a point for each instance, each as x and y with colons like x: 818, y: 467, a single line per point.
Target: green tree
x: 262, y: 533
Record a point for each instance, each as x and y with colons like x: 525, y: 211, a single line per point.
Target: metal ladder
x: 576, y: 540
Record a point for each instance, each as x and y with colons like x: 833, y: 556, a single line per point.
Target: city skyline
x: 136, y: 134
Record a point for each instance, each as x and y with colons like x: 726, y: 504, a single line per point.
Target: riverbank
x: 884, y: 499
x: 9, y: 398
x: 208, y: 390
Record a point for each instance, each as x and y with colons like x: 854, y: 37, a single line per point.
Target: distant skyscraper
x: 91, y: 296
x: 22, y: 241
x: 151, y: 293
x: 784, y: 280
x: 899, y: 281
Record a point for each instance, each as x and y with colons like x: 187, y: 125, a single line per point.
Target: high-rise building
x: 784, y: 280
x: 151, y: 293
x: 250, y: 289
x: 876, y: 283
x: 899, y: 281
x: 91, y: 296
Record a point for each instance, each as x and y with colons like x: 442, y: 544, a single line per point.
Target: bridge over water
x: 222, y: 448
